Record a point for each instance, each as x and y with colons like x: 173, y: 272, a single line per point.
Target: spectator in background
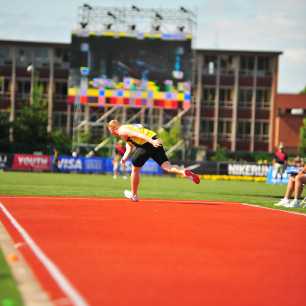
x: 55, y: 160
x: 279, y: 162
x: 118, y: 154
x: 295, y: 185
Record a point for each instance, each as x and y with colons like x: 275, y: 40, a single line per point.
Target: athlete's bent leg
x: 186, y: 173
x: 171, y: 168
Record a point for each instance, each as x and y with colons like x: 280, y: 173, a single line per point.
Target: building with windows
x: 235, y: 95
x: 289, y: 116
x: 234, y: 92
x: 22, y: 64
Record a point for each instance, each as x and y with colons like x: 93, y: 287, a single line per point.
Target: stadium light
x: 83, y: 24
x: 181, y: 28
x: 135, y: 8
x: 109, y: 26
x: 184, y: 10
x: 156, y: 28
x: 87, y: 6
x: 133, y: 27
x: 111, y: 15
x: 158, y: 16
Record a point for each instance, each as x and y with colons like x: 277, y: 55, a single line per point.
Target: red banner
x: 31, y: 162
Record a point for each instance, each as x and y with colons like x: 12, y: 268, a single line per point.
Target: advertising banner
x: 31, y: 162
x: 100, y: 165
x: 272, y: 178
x: 248, y: 169
x: 70, y: 164
x: 150, y: 167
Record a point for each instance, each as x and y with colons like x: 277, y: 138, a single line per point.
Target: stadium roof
x: 24, y: 43
x: 247, y: 52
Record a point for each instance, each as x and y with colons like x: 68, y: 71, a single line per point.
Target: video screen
x: 165, y: 64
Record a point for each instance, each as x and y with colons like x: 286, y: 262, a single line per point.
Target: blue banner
x: 100, y: 165
x: 272, y: 178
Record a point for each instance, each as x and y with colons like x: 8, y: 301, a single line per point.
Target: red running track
x: 156, y: 252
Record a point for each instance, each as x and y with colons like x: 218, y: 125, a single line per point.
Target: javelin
x: 98, y: 147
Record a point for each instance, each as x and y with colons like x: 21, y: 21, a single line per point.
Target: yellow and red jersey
x: 140, y: 129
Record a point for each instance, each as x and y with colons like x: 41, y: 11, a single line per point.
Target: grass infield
x: 9, y: 294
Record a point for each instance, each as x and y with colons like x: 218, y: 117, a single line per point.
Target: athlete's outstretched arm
x: 128, y: 150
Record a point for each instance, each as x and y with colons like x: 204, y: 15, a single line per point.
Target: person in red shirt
x: 119, y: 151
x: 279, y: 162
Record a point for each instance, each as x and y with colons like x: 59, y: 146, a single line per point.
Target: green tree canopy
x: 303, y: 91
x: 303, y: 138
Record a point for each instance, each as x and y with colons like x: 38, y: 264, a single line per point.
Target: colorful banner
x: 132, y: 98
x: 31, y: 162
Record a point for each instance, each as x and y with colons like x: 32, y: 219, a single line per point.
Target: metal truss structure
x: 139, y: 23
x: 134, y: 21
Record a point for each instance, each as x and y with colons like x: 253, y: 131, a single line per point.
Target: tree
x: 221, y: 154
x: 302, y: 147
x: 4, y: 130
x: 30, y: 126
x: 303, y: 91
x: 172, y: 136
x: 61, y: 141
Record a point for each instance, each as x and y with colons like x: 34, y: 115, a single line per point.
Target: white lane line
x: 275, y: 209
x: 54, y: 271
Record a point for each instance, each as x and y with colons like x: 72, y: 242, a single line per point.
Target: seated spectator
x: 295, y: 185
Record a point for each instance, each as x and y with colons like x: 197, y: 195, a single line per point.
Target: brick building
x: 235, y: 95
x: 289, y: 115
x: 22, y: 64
x: 234, y: 92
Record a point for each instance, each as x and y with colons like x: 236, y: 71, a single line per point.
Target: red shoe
x: 192, y: 176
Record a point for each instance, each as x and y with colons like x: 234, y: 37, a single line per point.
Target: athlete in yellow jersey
x: 142, y: 144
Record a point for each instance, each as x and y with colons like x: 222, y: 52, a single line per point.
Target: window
x: 262, y: 131
x: 23, y: 88
x: 245, y: 98
x: 247, y: 64
x: 210, y: 65
x: 41, y: 56
x: 263, y: 96
x: 5, y: 56
x: 226, y: 97
x: 243, y: 129
x: 264, y: 66
x: 24, y: 57
x: 224, y: 129
x: 61, y: 58
x: 4, y: 85
x: 209, y: 96
x: 207, y: 126
x: 226, y: 65
x: 61, y: 89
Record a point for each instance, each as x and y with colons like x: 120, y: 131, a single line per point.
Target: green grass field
x: 165, y: 187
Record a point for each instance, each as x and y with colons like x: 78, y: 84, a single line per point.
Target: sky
x: 261, y: 25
